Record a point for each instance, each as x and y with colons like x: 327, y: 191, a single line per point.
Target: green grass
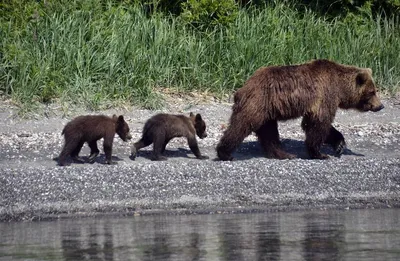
x: 101, y: 55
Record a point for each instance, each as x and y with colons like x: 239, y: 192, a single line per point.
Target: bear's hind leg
x: 233, y: 136
x: 94, y: 151
x: 316, y: 134
x: 158, y: 145
x: 75, y: 153
x: 159, y: 140
x: 268, y: 136
x: 143, y: 142
x: 69, y: 147
x: 165, y: 145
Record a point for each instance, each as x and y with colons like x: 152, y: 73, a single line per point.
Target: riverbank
x: 33, y: 187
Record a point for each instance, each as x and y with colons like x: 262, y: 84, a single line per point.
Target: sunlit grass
x: 93, y: 54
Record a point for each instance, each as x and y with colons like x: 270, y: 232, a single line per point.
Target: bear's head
x: 368, y: 99
x: 361, y: 94
x: 122, y: 128
x: 199, y: 125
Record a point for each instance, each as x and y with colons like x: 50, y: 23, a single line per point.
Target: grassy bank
x: 95, y: 55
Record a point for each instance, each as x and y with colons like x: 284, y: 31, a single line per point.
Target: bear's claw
x: 340, y: 148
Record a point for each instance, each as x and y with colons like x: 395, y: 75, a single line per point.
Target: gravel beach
x: 33, y: 187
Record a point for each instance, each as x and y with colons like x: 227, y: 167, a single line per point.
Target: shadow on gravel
x: 252, y: 149
x: 101, y: 159
x: 176, y: 153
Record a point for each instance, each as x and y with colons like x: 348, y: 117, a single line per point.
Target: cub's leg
x: 158, y: 145
x: 94, y: 151
x: 75, y: 153
x: 69, y: 146
x: 165, y: 145
x: 107, y: 146
x: 195, y: 148
x: 143, y: 142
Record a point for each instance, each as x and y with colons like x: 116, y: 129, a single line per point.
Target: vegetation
x: 96, y: 52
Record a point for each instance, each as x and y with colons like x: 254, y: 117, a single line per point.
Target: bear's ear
x: 198, y: 117
x: 191, y: 114
x: 121, y: 118
x: 114, y: 117
x: 362, y: 77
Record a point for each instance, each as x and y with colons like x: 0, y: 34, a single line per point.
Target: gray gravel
x: 33, y: 187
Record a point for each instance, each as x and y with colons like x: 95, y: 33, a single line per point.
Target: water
x: 311, y: 235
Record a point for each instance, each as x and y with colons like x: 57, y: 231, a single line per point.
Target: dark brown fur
x: 161, y: 128
x: 314, y: 91
x: 91, y: 128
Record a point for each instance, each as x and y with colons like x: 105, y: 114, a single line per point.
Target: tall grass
x: 95, y: 54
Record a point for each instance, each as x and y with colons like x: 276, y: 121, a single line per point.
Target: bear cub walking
x: 161, y: 128
x: 91, y: 128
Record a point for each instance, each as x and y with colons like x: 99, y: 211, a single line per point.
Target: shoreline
x: 32, y: 187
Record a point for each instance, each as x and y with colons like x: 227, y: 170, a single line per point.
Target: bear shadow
x: 101, y: 159
x: 253, y: 149
x: 169, y: 153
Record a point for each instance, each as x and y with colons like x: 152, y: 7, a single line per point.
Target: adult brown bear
x: 313, y: 90
x: 91, y: 128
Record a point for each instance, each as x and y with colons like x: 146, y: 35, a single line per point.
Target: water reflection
x: 321, y: 235
x: 323, y: 240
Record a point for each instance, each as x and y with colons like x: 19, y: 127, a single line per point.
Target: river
x: 369, y: 234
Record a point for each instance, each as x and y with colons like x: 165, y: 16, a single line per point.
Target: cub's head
x: 199, y: 125
x: 122, y: 128
x: 368, y: 99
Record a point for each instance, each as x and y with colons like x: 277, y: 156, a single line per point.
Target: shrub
x: 205, y: 13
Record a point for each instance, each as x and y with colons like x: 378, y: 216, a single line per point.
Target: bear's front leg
x: 316, y: 134
x: 336, y: 140
x: 195, y: 148
x: 107, y: 145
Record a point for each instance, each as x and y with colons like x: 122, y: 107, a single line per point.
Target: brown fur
x: 314, y: 91
x: 91, y: 128
x: 161, y: 128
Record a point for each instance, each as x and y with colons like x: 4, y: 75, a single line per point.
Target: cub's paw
x: 133, y: 153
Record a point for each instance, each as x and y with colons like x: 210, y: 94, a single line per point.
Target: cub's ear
x: 362, y: 77
x: 198, y: 117
x: 120, y: 118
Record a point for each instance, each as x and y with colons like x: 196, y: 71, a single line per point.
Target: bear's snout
x: 378, y: 108
x: 128, y: 137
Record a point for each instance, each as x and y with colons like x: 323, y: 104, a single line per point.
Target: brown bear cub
x: 313, y: 90
x: 161, y: 128
x: 91, y: 128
